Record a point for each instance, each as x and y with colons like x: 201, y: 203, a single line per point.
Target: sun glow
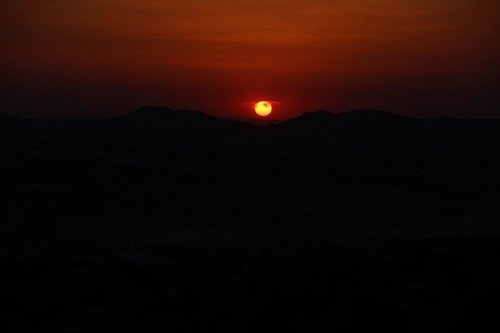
x: 263, y: 108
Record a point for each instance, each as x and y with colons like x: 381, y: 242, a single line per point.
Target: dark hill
x: 382, y: 135
x: 358, y: 135
x: 165, y: 117
x: 156, y: 125
x: 158, y: 118
x: 372, y: 115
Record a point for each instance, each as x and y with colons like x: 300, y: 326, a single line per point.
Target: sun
x: 263, y: 108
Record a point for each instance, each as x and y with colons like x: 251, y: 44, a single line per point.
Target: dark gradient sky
x: 106, y: 57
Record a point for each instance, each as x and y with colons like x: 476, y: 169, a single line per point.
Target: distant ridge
x: 151, y: 125
x: 321, y: 116
x: 254, y: 121
x: 148, y: 112
x: 354, y: 135
x: 371, y: 114
x: 156, y: 113
x: 161, y: 117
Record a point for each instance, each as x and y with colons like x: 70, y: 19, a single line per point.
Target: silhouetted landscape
x: 177, y: 220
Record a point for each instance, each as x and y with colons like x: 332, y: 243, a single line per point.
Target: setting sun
x: 263, y: 108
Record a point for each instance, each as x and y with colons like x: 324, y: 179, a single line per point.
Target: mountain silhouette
x: 158, y: 118
x: 182, y: 128
x: 161, y: 116
x: 356, y: 134
x: 385, y: 135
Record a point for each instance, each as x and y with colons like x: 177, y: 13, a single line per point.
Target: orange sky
x: 103, y: 57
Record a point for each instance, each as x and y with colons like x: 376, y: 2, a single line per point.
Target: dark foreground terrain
x: 175, y: 221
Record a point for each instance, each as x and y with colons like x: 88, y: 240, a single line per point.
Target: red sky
x: 106, y: 57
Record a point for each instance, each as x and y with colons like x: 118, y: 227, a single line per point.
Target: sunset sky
x: 106, y: 57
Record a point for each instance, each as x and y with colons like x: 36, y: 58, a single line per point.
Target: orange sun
x: 263, y: 108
